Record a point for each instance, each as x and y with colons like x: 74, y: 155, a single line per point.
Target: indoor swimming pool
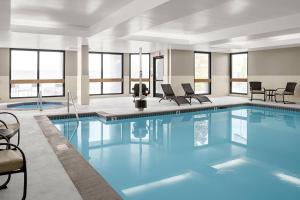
x: 243, y: 152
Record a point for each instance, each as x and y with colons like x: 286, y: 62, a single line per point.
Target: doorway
x: 158, y: 76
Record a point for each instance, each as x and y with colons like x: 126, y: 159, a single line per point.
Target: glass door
x: 158, y: 76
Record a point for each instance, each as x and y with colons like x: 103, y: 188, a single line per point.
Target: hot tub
x: 35, y: 106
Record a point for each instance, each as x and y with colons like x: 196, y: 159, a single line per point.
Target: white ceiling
x: 126, y: 25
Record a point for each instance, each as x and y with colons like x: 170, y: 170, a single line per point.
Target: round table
x: 270, y: 93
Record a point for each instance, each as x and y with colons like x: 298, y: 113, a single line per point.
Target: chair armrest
x: 2, y: 122
x: 8, y: 113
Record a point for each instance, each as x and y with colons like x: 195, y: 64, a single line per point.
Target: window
x: 135, y: 70
x: 106, y: 73
x: 36, y: 70
x: 239, y: 73
x: 202, y: 73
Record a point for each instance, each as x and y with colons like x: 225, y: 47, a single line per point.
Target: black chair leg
x: 160, y: 99
x: 4, y: 185
x: 18, y: 138
x: 25, y: 186
x: 251, y: 96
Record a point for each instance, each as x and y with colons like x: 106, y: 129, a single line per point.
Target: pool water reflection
x: 234, y: 153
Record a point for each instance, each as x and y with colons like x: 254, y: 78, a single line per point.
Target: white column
x: 83, y: 75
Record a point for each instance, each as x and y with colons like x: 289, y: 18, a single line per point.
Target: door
x: 158, y: 76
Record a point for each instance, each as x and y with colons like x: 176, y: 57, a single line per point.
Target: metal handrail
x: 70, y: 97
x: 40, y: 101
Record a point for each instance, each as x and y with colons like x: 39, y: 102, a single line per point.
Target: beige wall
x: 220, y: 67
x: 182, y: 71
x: 275, y: 67
x: 4, y: 74
x: 71, y: 72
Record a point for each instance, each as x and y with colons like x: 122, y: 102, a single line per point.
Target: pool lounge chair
x: 170, y: 95
x: 288, y: 90
x: 136, y: 90
x: 10, y: 129
x: 12, y: 162
x: 189, y: 93
x: 256, y: 88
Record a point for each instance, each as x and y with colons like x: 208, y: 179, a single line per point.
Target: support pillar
x: 83, y: 75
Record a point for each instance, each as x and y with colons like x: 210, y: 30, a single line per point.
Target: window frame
x: 238, y: 79
x: 101, y: 82
x: 38, y: 80
x: 209, y: 71
x: 130, y: 88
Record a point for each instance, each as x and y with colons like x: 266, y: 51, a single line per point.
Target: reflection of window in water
x: 239, y: 131
x: 100, y: 133
x: 200, y: 133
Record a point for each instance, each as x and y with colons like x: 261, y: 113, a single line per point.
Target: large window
x: 202, y: 73
x: 36, y: 70
x: 239, y: 73
x: 135, y: 70
x: 106, y: 73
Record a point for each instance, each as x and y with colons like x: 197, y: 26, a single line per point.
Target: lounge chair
x: 170, y: 95
x: 288, y: 90
x: 256, y: 88
x: 12, y: 128
x: 189, y: 93
x: 12, y: 162
x: 136, y: 90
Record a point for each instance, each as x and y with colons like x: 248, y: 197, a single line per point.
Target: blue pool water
x: 34, y: 105
x: 241, y: 153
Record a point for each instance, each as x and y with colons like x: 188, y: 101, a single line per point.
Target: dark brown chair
x: 170, y: 95
x: 288, y: 90
x: 12, y: 162
x: 190, y: 93
x: 256, y: 88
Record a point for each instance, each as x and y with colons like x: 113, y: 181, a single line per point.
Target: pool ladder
x: 70, y: 97
x: 40, y: 101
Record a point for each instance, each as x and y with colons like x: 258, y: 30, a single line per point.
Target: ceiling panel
x: 63, y: 12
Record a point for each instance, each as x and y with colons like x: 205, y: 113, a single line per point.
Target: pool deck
x: 47, y: 178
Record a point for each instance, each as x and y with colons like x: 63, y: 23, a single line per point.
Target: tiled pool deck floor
x: 47, y: 178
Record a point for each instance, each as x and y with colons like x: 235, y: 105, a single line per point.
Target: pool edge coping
x: 111, y: 117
